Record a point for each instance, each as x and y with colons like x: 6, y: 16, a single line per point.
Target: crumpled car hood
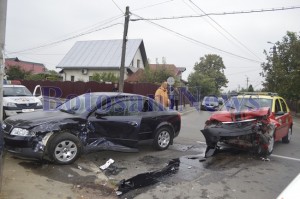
x: 28, y: 120
x: 227, y: 116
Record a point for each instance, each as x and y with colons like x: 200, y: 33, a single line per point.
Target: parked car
x: 91, y: 122
x: 18, y: 99
x: 210, y: 103
x: 251, y: 120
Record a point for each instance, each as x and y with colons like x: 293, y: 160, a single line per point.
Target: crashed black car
x: 91, y: 122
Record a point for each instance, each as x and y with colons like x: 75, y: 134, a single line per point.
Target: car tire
x: 269, y: 150
x: 286, y: 139
x: 163, y: 138
x: 64, y: 148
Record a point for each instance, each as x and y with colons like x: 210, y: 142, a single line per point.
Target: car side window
x: 283, y: 105
x: 277, y: 106
x: 114, y: 107
x: 147, y: 106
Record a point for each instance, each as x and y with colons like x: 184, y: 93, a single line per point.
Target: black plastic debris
x: 149, y: 178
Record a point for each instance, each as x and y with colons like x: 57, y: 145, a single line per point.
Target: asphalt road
x: 229, y: 174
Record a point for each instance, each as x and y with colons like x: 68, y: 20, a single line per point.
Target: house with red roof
x: 34, y: 68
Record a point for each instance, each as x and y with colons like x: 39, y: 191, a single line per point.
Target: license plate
x: 27, y: 110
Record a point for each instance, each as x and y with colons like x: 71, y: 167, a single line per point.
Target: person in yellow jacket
x: 161, y: 95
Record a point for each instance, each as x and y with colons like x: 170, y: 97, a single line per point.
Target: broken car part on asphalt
x: 149, y: 178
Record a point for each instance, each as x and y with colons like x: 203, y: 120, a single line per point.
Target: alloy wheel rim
x: 65, y: 151
x: 163, y: 139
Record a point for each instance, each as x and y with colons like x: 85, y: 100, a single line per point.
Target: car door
x: 151, y: 117
x: 284, y: 118
x: 280, y: 118
x: 113, y: 122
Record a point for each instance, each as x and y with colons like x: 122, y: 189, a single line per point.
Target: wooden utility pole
x: 3, y: 8
x: 122, y: 68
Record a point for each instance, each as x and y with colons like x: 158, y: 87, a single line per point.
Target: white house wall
x: 138, y: 56
x: 78, y: 76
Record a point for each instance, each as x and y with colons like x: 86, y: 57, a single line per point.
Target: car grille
x: 7, y: 127
x: 26, y: 106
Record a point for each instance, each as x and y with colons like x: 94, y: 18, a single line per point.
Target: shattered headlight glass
x: 22, y: 132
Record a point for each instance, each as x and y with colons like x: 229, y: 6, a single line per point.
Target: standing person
x: 161, y: 95
x: 171, y: 97
x: 176, y: 98
x: 115, y: 88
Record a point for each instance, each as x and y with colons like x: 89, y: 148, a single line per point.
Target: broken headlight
x: 22, y: 132
x: 10, y: 104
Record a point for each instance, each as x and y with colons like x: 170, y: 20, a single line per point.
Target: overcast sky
x: 33, y: 23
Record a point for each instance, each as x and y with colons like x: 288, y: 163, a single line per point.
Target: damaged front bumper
x: 243, y: 134
x: 31, y: 147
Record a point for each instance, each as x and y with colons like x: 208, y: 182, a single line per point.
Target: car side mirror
x: 279, y: 113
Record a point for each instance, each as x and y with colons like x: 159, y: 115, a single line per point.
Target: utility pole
x: 122, y: 68
x: 3, y: 8
x: 247, y: 80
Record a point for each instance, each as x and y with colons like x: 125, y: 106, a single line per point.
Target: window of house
x: 72, y: 78
x: 138, y: 63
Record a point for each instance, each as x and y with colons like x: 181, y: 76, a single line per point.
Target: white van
x: 18, y: 99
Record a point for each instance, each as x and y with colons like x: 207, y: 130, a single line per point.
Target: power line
x: 234, y: 38
x: 220, y: 13
x: 152, y: 5
x: 242, y: 72
x: 118, y: 6
x: 63, y: 40
x: 198, y: 42
x: 208, y: 21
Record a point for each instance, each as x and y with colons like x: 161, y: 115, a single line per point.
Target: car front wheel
x: 65, y: 148
x: 286, y: 139
x: 162, y: 138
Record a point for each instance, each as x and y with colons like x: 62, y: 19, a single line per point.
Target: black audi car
x: 91, y: 122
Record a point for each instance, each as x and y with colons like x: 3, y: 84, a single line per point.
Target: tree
x: 105, y: 77
x: 49, y: 75
x: 16, y: 73
x: 282, y: 68
x: 208, y: 75
x: 250, y: 88
x: 156, y: 76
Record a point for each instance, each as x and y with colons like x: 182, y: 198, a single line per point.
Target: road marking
x: 285, y: 157
x: 273, y: 155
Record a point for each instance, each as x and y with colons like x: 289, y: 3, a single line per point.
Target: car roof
x: 10, y: 85
x: 112, y: 94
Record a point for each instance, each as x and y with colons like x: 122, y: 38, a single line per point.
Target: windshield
x: 246, y: 103
x: 81, y: 104
x: 16, y: 91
